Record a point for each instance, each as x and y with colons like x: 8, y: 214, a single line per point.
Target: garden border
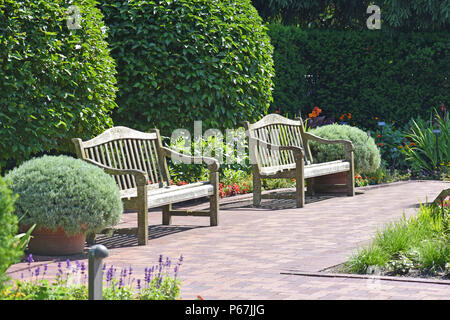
x: 322, y: 274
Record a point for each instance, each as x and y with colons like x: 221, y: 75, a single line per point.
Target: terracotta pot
x: 51, y: 243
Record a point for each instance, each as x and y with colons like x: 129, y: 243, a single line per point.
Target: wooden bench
x: 138, y: 163
x: 279, y: 148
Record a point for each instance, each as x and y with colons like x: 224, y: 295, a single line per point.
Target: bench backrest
x: 125, y: 148
x: 278, y: 130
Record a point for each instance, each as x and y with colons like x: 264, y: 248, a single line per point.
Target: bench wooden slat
x: 274, y: 132
x: 138, y: 164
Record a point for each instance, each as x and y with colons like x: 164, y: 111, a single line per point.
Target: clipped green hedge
x: 56, y: 83
x: 186, y: 60
x: 366, y: 73
x: 61, y: 191
x: 9, y: 253
x: 367, y: 157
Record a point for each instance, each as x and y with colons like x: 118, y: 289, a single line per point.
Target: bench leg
x: 256, y: 189
x: 214, y: 210
x: 142, y: 215
x: 214, y: 200
x: 166, y: 216
x: 350, y: 183
x: 300, y: 186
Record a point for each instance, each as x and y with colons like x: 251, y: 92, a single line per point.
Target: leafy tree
x: 57, y: 82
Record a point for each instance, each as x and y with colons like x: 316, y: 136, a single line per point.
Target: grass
x: 416, y: 245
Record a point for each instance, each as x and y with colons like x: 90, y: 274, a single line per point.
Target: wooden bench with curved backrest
x: 279, y: 148
x: 137, y: 161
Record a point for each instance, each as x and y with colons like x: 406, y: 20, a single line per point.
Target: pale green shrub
x: 60, y: 191
x: 366, y: 155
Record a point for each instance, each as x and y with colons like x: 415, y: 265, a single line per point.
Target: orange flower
x: 376, y: 118
x: 380, y: 144
x: 412, y: 144
x: 342, y: 117
x: 400, y: 147
x: 349, y: 115
x: 378, y: 135
x: 312, y: 115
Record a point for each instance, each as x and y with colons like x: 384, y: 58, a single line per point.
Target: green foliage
x: 423, y: 152
x: 57, y: 83
x: 230, y: 151
x: 366, y: 154
x: 60, y: 191
x: 160, y: 282
x: 180, y: 61
x: 391, y: 142
x: 419, y: 242
x: 368, y: 74
x: 9, y: 252
x: 396, y: 15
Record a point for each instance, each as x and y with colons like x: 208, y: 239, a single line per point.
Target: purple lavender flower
x: 130, y: 272
x: 139, y: 284
x: 30, y: 260
x: 110, y: 274
x: 83, y: 267
x: 104, y: 267
x: 59, y: 273
x: 37, y: 271
x: 67, y: 263
x: 45, y: 269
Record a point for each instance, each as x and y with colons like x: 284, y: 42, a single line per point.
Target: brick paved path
x: 249, y: 255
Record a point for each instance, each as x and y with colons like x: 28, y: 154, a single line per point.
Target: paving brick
x: 243, y: 257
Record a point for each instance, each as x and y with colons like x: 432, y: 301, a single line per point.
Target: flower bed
x: 160, y: 282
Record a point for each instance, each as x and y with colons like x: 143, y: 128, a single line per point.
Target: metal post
x: 95, y: 257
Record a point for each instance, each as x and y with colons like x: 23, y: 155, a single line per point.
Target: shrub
x: 60, y: 191
x: 366, y: 155
x: 180, y: 61
x: 9, y: 252
x: 57, y: 83
x: 422, y: 151
x: 368, y: 74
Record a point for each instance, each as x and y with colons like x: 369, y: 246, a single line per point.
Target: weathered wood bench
x: 138, y: 163
x: 279, y: 148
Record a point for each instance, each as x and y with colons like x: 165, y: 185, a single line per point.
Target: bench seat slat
x: 312, y: 170
x: 172, y: 194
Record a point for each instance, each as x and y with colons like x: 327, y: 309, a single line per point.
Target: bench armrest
x: 298, y: 151
x: 347, y: 143
x: 140, y: 176
x: 213, y: 164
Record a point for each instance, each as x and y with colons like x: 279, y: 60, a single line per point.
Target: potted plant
x: 66, y: 198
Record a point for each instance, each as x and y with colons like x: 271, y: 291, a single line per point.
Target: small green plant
x: 366, y: 155
x: 60, y: 191
x: 416, y: 243
x: 10, y: 252
x: 422, y: 150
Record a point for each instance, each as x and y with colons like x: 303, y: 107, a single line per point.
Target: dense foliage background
x: 366, y: 73
x: 181, y: 61
x: 57, y: 83
x: 396, y: 15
